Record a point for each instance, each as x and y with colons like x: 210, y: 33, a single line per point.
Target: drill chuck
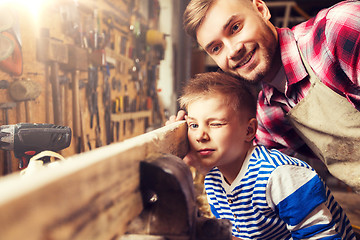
x: 7, y: 133
x: 27, y: 139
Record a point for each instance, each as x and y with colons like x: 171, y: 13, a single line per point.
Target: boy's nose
x: 202, y: 136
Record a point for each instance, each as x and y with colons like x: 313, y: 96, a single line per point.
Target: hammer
x: 25, y: 90
x: 52, y: 52
x: 78, y: 61
x: 7, y: 155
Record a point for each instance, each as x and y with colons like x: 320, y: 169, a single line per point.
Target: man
x: 324, y: 75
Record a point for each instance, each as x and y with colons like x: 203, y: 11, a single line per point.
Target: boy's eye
x: 216, y: 124
x: 193, y: 125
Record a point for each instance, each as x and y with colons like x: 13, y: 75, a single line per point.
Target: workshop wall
x: 89, y: 65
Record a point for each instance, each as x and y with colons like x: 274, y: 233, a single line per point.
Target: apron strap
x: 312, y: 76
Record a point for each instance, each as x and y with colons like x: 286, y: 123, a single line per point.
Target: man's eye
x: 235, y: 28
x: 215, y: 49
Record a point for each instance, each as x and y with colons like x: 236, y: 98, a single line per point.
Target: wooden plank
x: 92, y: 195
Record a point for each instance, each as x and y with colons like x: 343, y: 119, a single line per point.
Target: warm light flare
x: 34, y: 6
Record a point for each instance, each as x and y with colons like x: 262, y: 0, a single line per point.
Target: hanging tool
x: 11, y: 59
x: 28, y: 139
x: 4, y: 84
x: 64, y: 83
x: 57, y: 106
x: 157, y: 40
x: 88, y: 141
x: 107, y: 102
x: 25, y: 90
x: 116, y: 84
x: 91, y: 91
x: 78, y: 61
x: 115, y: 108
x: 53, y: 52
x: 98, y: 142
x: 7, y: 155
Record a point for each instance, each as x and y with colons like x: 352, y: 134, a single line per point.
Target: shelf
x: 118, y: 57
x: 117, y: 117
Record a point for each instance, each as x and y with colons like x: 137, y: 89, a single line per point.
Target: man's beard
x: 260, y: 73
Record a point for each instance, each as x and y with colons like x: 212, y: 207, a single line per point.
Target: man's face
x: 218, y: 135
x: 239, y: 38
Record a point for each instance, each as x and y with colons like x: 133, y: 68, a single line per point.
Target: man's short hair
x: 195, y: 13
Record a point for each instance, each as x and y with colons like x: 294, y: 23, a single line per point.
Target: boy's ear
x: 251, y: 129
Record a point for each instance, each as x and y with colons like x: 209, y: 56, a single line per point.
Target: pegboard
x: 103, y: 45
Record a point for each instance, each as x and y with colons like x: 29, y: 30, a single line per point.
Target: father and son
x: 309, y: 103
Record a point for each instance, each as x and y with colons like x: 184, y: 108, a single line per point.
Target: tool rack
x: 103, y: 45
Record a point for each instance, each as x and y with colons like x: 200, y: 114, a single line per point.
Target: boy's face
x: 217, y: 135
x: 239, y: 38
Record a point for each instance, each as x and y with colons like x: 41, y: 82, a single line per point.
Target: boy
x: 264, y: 193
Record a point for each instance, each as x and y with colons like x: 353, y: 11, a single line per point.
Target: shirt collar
x: 290, y: 57
x: 229, y: 188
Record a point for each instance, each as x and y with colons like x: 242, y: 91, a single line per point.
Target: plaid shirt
x: 331, y: 44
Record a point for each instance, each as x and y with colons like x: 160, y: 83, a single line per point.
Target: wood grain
x: 92, y: 195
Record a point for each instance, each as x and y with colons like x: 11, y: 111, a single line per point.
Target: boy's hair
x: 237, y: 94
x: 195, y: 13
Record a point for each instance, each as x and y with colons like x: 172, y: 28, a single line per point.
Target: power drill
x: 28, y: 139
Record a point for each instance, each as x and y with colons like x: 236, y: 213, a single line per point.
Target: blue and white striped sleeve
x: 298, y: 196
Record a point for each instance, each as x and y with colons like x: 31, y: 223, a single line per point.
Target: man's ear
x: 262, y: 9
x: 251, y: 129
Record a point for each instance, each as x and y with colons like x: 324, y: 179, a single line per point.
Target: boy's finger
x: 180, y: 115
x: 172, y: 119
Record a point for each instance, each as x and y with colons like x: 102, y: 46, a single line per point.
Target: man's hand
x: 180, y: 116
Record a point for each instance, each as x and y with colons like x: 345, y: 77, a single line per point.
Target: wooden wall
x: 122, y: 58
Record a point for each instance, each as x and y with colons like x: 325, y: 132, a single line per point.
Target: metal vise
x: 170, y: 210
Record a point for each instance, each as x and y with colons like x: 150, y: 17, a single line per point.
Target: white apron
x: 330, y: 126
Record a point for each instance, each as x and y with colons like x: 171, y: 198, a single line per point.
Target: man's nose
x: 235, y: 49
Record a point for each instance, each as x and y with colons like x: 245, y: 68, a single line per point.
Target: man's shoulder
x: 338, y: 14
x: 344, y: 13
x: 349, y: 6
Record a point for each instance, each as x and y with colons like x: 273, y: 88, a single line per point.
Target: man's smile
x: 245, y: 59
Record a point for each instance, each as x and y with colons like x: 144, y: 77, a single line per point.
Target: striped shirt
x: 331, y: 44
x: 276, y: 197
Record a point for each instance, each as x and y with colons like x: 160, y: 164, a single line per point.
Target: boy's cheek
x: 191, y: 139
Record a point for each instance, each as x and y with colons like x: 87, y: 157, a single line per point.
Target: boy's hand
x: 180, y: 116
x: 191, y: 160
